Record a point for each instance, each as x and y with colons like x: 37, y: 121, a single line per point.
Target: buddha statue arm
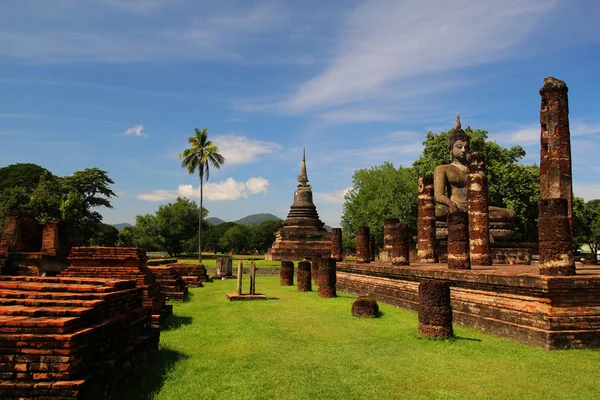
x: 439, y: 189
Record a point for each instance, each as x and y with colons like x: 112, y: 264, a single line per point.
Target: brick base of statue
x: 192, y: 274
x: 365, y: 307
x: 286, y: 273
x: 556, y: 245
x: 120, y: 263
x: 458, y: 241
x: 171, y: 284
x: 435, y: 313
x: 71, y: 338
x: 304, y: 277
x: 327, y: 277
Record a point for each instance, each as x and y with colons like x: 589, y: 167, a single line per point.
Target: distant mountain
x: 327, y: 227
x: 122, y: 225
x: 257, y: 219
x: 215, y: 220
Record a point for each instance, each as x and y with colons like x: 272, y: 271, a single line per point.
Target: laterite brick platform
x: 120, y: 263
x: 192, y: 274
x: 71, y: 338
x: 171, y: 284
x: 513, y: 301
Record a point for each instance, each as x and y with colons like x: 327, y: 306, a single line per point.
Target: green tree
x: 84, y: 191
x: 235, y: 238
x: 197, y: 158
x: 377, y: 193
x: 25, y: 175
x: 45, y: 200
x: 126, y: 237
x: 176, y: 224
x: 105, y: 235
x: 586, y: 223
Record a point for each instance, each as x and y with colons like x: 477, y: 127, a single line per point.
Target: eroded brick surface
x: 171, y: 284
x: 71, y: 338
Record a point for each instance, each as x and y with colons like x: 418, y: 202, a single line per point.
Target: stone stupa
x: 303, y: 234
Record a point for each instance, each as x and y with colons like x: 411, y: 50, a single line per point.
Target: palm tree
x: 201, y: 153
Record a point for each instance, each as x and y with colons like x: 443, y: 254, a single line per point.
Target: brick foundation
x: 65, y: 338
x: 513, y: 301
x: 171, y: 284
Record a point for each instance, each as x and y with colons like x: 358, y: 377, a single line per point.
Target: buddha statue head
x: 458, y: 143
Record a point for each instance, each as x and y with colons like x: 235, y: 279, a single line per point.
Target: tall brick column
x: 556, y: 242
x: 314, y: 267
x: 372, y: 247
x: 362, y: 245
x: 458, y: 241
x: 50, y: 242
x: 286, y: 273
x: 304, y: 277
x: 336, y: 244
x: 426, y: 222
x: 478, y: 211
x: 555, y: 153
x: 396, y: 239
x: 327, y: 277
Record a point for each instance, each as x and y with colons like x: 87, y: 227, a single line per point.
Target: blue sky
x: 121, y: 84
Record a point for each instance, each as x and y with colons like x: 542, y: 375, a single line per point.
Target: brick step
x: 42, y: 325
x: 49, y: 303
x: 117, y: 284
x: 53, y: 287
x: 35, y: 312
x: 24, y: 294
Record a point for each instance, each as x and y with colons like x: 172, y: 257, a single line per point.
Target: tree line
x: 173, y: 229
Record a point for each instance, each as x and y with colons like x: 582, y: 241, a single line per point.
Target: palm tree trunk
x: 200, y: 226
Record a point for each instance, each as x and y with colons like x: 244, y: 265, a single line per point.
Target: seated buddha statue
x: 450, y: 181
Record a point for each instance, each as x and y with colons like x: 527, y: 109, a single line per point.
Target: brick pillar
x: 50, y: 238
x: 372, y: 247
x: 304, y: 276
x: 555, y: 153
x: 362, y: 245
x: 435, y: 313
x: 327, y: 277
x: 478, y: 211
x: 396, y: 235
x: 556, y: 242
x: 426, y: 222
x: 337, y: 251
x: 314, y: 267
x: 286, y: 274
x: 458, y: 241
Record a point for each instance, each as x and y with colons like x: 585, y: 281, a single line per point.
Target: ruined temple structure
x: 32, y: 249
x: 120, y: 263
x: 303, y: 234
x: 553, y: 305
x: 71, y: 338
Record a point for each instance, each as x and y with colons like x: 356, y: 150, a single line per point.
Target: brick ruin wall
x: 543, y: 311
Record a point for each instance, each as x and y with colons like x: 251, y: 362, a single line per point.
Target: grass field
x: 300, y: 346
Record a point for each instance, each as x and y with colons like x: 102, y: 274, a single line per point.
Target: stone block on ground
x: 365, y: 307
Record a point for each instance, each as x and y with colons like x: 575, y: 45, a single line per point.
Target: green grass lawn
x: 260, y: 262
x: 300, y: 346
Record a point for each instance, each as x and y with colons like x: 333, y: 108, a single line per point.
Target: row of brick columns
x: 322, y: 270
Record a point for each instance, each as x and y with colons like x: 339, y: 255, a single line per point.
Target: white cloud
x: 241, y: 150
x: 335, y: 197
x: 229, y: 189
x: 136, y: 131
x: 389, y: 42
x: 530, y: 134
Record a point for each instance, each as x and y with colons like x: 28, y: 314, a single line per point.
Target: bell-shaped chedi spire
x: 457, y: 123
x: 302, y: 234
x: 303, y: 177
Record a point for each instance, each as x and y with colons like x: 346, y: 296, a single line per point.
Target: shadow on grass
x: 176, y: 322
x: 151, y: 376
x: 468, y: 339
x: 187, y: 296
